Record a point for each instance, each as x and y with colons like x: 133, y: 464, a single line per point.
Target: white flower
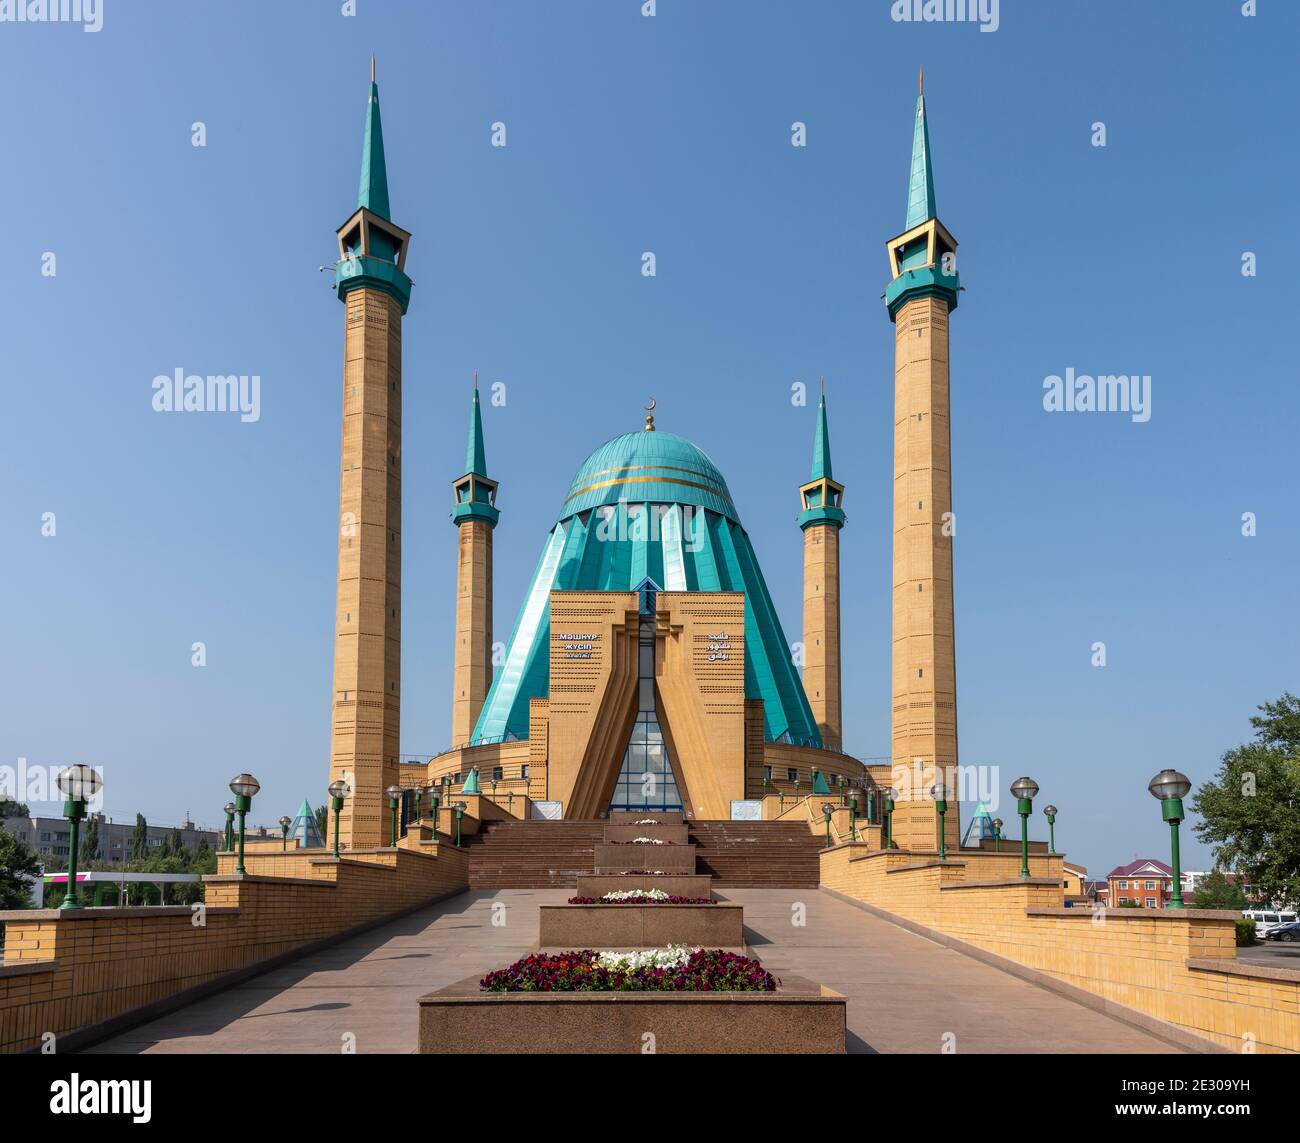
x: 636, y: 895
x: 674, y: 956
x: 647, y: 821
x: 648, y: 841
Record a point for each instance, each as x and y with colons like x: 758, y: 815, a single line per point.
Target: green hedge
x: 1245, y: 932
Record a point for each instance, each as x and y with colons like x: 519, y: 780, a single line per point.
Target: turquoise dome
x: 649, y: 467
x: 648, y: 505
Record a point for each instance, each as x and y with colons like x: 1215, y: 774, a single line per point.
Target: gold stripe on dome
x: 658, y: 467
x: 647, y: 480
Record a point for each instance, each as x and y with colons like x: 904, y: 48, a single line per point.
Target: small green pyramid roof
x: 920, y: 187
x: 373, y: 192
x: 819, y: 783
x: 821, y: 461
x: 475, y: 453
x: 471, y: 783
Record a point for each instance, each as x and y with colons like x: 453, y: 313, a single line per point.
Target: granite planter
x: 799, y: 1018
x: 614, y: 858
x: 628, y: 817
x: 675, y: 885
x: 719, y: 926
x: 677, y: 834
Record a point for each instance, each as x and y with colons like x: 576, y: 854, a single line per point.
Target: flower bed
x: 641, y: 897
x: 645, y: 841
x: 674, y: 969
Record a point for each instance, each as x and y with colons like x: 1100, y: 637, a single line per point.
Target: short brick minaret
x: 922, y: 293
x: 371, y: 282
x: 821, y: 520
x: 475, y: 516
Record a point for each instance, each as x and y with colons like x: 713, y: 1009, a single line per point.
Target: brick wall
x: 66, y: 970
x: 1178, y: 967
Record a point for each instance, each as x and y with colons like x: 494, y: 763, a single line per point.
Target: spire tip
x: 372, y: 68
x: 921, y: 81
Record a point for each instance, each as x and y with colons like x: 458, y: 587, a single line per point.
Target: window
x: 523, y: 770
x: 1123, y: 884
x: 767, y: 773
x: 646, y: 780
x: 1151, y: 902
x: 497, y: 773
x: 1150, y: 885
x: 792, y: 775
x: 1123, y: 900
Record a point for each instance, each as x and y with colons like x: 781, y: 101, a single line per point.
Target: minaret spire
x: 373, y: 191
x: 821, y: 461
x: 475, y: 453
x: 920, y: 187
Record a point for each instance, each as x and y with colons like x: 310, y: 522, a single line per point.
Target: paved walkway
x: 906, y: 994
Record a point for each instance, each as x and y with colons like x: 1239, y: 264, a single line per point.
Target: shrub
x: 1245, y: 932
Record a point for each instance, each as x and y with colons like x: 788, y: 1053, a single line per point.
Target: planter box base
x: 800, y: 1018
x: 674, y: 884
x: 641, y: 926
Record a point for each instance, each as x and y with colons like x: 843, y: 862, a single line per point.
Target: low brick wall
x: 84, y: 973
x: 1173, y: 966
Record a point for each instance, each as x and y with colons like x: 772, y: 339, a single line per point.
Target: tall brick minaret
x: 371, y: 281
x: 475, y: 516
x: 923, y: 292
x: 821, y: 521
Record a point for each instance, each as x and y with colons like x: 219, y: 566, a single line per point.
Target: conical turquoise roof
x: 821, y: 462
x: 920, y: 187
x: 373, y: 192
x: 475, y: 452
x: 648, y: 505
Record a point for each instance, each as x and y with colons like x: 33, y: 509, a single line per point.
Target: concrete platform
x: 641, y: 926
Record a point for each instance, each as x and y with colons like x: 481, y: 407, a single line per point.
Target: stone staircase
x: 551, y: 854
x: 770, y: 855
x: 532, y: 854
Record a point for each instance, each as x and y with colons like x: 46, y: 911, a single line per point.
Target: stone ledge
x: 1171, y: 1033
x: 936, y: 864
x: 1004, y: 882
x: 799, y: 1018
x: 720, y: 925
x: 98, y: 912
x: 1247, y: 968
x: 27, y: 967
x: 1139, y: 914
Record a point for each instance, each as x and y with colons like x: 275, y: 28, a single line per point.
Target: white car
x: 1267, y: 919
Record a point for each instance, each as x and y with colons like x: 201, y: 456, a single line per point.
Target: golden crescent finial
x: 650, y: 416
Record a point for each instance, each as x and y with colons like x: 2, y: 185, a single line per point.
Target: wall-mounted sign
x: 746, y: 810
x: 719, y: 648
x: 576, y: 646
x: 550, y: 811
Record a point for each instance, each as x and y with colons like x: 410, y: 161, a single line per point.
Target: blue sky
x: 671, y: 134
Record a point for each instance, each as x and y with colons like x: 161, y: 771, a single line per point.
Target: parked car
x: 1289, y: 932
x: 1267, y: 919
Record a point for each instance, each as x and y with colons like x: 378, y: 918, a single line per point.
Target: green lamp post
x: 940, y: 796
x: 827, y: 809
x: 1170, y: 787
x: 460, y: 812
x: 1049, y: 812
x: 419, y: 795
x: 338, y: 790
x: 394, y: 797
x: 285, y: 823
x: 891, y: 796
x: 244, y: 787
x: 796, y: 788
x: 1024, y: 790
x: 230, y: 826
x: 765, y: 785
x: 79, y: 784
x: 494, y: 789
x: 997, y: 835
x: 839, y: 781
x: 510, y: 802
x: 853, y: 814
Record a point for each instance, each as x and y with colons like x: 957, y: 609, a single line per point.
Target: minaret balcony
x: 362, y: 271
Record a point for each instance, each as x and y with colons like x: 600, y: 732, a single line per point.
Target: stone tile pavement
x: 905, y: 992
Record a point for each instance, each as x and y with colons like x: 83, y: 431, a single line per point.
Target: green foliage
x: 1216, y: 892
x: 89, y: 843
x: 323, y: 821
x: 1250, y: 809
x: 11, y: 809
x: 139, y: 839
x: 1245, y: 932
x: 18, y: 865
x: 1129, y: 905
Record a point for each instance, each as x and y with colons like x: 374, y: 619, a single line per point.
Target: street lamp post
x: 891, y: 796
x: 434, y: 802
x: 460, y: 811
x: 394, y: 797
x: 243, y: 786
x: 1024, y: 790
x: 419, y: 794
x: 1169, y: 787
x: 338, y: 790
x: 853, y: 814
x: 997, y: 835
x: 827, y: 810
x: 285, y: 823
x: 79, y: 784
x: 939, y: 795
x: 1049, y: 812
x: 230, y: 826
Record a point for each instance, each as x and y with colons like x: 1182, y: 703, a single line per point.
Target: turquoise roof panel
x: 648, y: 505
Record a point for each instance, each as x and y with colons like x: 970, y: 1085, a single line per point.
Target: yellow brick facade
x: 821, y: 630
x: 364, y: 740
x: 472, y: 675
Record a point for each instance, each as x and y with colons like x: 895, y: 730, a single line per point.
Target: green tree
x: 1250, y: 811
x: 1215, y: 891
x: 11, y: 809
x: 177, y: 847
x: 323, y: 822
x: 18, y: 867
x: 140, y: 839
x: 89, y: 843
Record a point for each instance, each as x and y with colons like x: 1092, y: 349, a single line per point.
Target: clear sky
x: 670, y: 134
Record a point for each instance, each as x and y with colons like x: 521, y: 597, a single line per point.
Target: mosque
x: 647, y: 667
